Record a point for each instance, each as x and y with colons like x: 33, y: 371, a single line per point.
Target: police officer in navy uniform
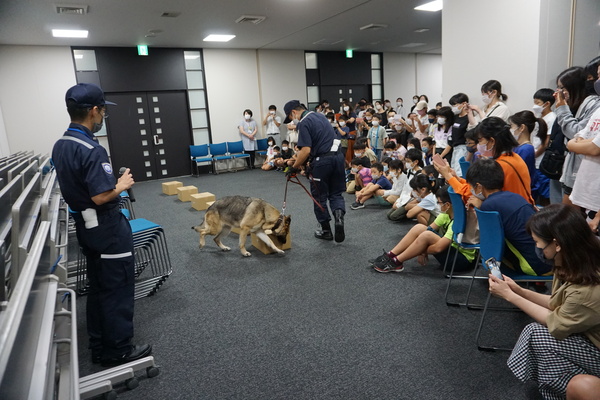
x: 92, y: 192
x: 318, y: 145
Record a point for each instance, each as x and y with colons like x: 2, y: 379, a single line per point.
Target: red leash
x: 294, y: 179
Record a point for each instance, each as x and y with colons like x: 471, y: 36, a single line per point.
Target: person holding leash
x: 92, y: 192
x: 319, y: 146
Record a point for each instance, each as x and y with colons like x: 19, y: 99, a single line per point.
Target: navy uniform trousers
x: 108, y: 249
x: 328, y: 184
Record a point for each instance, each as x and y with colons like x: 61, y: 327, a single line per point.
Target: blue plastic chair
x: 458, y: 229
x: 219, y: 153
x: 236, y: 151
x: 492, y: 243
x: 464, y: 166
x: 199, y: 154
x: 261, y: 147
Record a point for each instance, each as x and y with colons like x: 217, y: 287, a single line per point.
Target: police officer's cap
x: 86, y: 95
x: 287, y: 109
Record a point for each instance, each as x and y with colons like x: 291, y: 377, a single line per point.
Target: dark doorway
x: 150, y: 133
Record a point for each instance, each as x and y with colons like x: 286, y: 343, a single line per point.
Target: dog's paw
x: 246, y: 254
x: 280, y: 252
x: 225, y: 248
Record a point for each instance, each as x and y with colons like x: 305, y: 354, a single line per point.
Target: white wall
x: 281, y: 77
x: 490, y: 39
x: 408, y: 74
x: 587, y: 32
x: 232, y: 87
x: 34, y: 80
x: 554, y: 41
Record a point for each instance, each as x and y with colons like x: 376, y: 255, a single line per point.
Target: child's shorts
x: 381, y: 201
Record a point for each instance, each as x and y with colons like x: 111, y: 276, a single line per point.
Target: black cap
x: 86, y: 95
x: 287, y: 109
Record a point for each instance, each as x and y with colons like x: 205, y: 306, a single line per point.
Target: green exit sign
x: 349, y: 53
x: 142, y: 50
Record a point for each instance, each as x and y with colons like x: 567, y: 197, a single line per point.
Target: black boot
x: 325, y: 231
x: 339, y: 225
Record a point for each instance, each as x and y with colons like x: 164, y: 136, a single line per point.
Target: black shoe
x: 325, y: 235
x: 339, y: 226
x: 380, y: 259
x: 137, y: 352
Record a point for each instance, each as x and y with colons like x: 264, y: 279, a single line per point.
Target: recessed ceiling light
x: 78, y: 56
x: 191, y: 57
x: 218, y: 38
x: 435, y: 5
x: 421, y: 30
x: 66, y: 33
x: 412, y: 45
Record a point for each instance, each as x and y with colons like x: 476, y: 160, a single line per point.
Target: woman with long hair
x: 565, y: 339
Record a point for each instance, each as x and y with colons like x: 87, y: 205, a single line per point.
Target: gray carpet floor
x: 316, y: 323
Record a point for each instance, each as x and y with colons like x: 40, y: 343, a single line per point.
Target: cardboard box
x: 262, y: 246
x: 170, y: 188
x: 200, y: 200
x: 184, y: 193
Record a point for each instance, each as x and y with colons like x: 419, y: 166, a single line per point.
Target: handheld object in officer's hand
x: 129, y: 191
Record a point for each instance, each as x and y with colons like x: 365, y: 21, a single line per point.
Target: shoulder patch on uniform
x: 107, y: 168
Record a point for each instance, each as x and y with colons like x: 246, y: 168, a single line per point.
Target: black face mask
x: 589, y: 87
x: 97, y: 127
x: 597, y: 87
x: 540, y: 254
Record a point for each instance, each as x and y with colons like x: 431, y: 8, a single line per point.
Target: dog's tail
x: 198, y: 228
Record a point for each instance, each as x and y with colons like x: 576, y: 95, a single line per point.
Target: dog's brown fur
x: 251, y: 215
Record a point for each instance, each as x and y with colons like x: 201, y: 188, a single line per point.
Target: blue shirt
x: 83, y: 169
x: 383, y: 182
x: 527, y: 153
x: 515, y: 211
x: 315, y: 131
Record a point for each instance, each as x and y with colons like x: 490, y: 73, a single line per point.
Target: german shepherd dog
x: 251, y: 215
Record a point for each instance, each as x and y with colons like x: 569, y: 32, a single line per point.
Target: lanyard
x: 77, y: 130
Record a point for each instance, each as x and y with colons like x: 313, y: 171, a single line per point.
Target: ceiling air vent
x: 170, y: 14
x: 373, y: 27
x: 71, y: 9
x: 255, y: 19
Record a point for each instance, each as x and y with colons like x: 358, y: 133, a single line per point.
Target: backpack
x: 554, y: 157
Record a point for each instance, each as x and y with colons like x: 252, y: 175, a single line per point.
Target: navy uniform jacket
x: 315, y: 131
x: 83, y: 169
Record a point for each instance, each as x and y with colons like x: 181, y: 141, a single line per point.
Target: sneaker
x: 356, y: 205
x: 380, y: 259
x: 388, y: 265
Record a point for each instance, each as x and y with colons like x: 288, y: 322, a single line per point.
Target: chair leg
x: 478, y: 337
x: 450, y: 277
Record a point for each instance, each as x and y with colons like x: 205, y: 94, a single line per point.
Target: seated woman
x: 422, y: 240
x: 565, y: 339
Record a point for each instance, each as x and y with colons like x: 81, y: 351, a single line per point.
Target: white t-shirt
x: 586, y: 190
x: 272, y: 128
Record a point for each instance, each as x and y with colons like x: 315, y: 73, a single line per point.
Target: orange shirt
x: 517, y: 179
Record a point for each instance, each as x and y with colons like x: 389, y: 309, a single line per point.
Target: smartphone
x: 438, y: 159
x: 494, y: 267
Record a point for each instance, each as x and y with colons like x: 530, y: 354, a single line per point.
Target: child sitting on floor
x: 379, y: 181
x: 422, y: 240
x: 287, y: 155
x: 423, y: 208
x: 413, y: 162
x: 269, y: 163
x: 398, y: 179
x: 362, y: 175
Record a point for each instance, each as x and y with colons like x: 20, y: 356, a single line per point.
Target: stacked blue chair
x: 236, y: 151
x: 492, y: 246
x: 219, y: 153
x: 199, y: 154
x: 464, y: 166
x: 126, y: 205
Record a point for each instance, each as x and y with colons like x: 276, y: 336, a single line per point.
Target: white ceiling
x: 290, y: 24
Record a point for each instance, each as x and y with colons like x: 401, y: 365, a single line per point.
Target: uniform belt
x: 331, y: 153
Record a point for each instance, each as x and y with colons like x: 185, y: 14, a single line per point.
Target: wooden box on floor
x: 170, y: 188
x: 184, y: 193
x: 200, y: 201
x: 260, y: 245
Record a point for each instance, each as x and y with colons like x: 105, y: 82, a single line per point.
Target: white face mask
x: 415, y: 101
x: 355, y: 170
x: 486, y: 99
x: 358, y: 155
x: 272, y: 112
x: 284, y: 148
x: 346, y: 108
x: 271, y: 144
x: 455, y: 110
x: 247, y: 116
x: 537, y: 110
x: 399, y: 103
x: 515, y: 133
x: 441, y: 120
x: 368, y: 118
x: 375, y: 123
x: 378, y: 106
x: 342, y: 123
